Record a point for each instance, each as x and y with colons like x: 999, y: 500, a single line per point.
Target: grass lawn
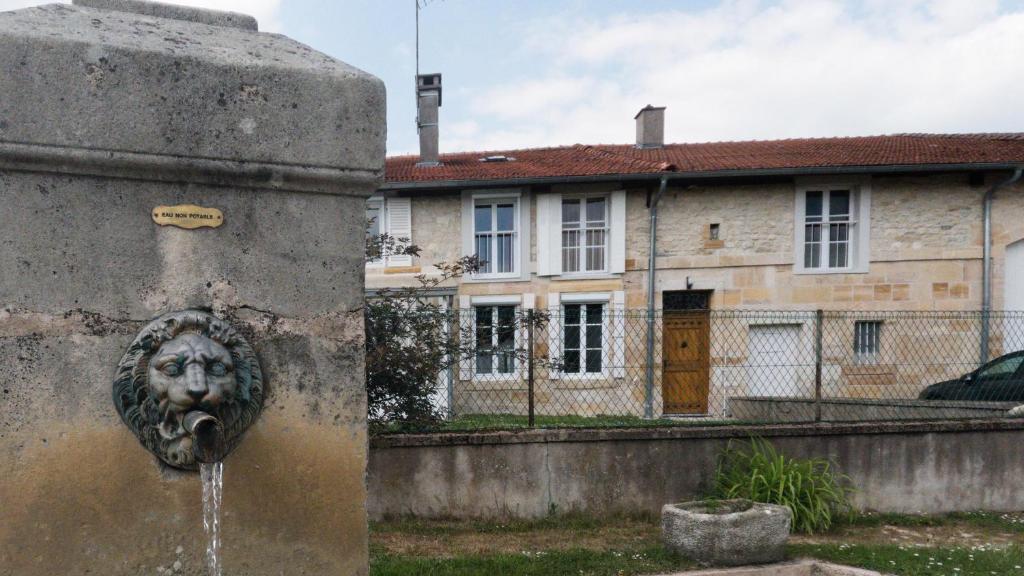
x: 951, y: 545
x: 649, y: 560
x: 920, y: 561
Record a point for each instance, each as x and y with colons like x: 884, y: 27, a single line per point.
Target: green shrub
x: 808, y: 487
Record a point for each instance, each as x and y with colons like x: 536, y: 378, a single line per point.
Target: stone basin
x: 727, y: 532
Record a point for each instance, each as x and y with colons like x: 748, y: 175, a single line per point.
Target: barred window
x: 495, y: 339
x: 583, y: 334
x: 827, y: 227
x: 494, y: 230
x: 867, y: 340
x: 584, y: 235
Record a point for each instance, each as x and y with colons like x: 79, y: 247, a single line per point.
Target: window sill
x: 485, y: 279
x: 589, y: 276
x: 513, y: 376
x: 583, y: 376
x: 806, y: 271
x: 382, y: 269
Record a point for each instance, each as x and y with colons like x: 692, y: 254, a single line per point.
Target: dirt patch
x: 452, y: 543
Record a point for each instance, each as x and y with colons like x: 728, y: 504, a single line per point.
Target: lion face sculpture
x: 188, y: 386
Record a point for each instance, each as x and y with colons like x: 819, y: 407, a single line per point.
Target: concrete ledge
x: 762, y: 408
x: 175, y: 12
x: 553, y: 435
x: 170, y: 168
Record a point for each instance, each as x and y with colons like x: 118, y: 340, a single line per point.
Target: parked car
x: 1001, y: 380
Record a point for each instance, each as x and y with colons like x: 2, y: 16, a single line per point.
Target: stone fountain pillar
x: 155, y: 158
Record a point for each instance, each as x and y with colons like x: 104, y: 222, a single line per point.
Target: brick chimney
x: 650, y: 127
x: 428, y: 100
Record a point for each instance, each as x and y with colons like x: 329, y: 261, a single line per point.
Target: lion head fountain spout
x: 207, y: 436
x: 188, y: 386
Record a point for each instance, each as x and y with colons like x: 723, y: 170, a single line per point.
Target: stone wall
x: 99, y: 124
x: 906, y: 468
x: 925, y: 248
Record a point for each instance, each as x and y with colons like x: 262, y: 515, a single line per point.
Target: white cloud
x: 265, y: 11
x: 747, y: 69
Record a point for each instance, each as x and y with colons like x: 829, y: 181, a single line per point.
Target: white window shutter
x: 618, y: 333
x: 468, y: 248
x: 549, y: 234
x: 399, y: 211
x: 554, y: 335
x: 466, y: 336
x: 617, y: 250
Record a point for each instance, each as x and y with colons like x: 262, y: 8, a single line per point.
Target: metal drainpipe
x: 649, y: 391
x: 986, y: 289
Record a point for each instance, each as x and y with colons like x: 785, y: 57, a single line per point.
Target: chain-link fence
x: 592, y: 365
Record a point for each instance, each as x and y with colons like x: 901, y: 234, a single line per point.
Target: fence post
x: 453, y: 334
x: 529, y: 364
x: 818, y: 318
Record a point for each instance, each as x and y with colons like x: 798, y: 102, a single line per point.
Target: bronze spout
x: 207, y: 436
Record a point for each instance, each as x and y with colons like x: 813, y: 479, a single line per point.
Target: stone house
x: 870, y: 224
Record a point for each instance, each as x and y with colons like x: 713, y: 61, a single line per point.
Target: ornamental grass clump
x: 810, y: 488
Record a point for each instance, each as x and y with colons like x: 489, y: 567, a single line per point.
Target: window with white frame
x: 583, y: 338
x: 584, y: 234
x: 495, y: 330
x: 393, y: 217
x: 867, y: 341
x: 374, y: 220
x: 495, y: 236
x: 832, y: 229
x: 827, y: 223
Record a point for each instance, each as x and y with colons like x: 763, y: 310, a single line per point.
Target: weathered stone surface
x: 175, y: 12
x: 728, y: 532
x: 275, y: 251
x: 907, y: 467
x: 106, y: 80
x: 105, y: 115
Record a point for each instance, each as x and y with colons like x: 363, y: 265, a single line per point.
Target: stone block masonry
x: 109, y: 109
x: 922, y: 467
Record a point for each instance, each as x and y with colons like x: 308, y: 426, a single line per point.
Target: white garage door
x: 774, y: 354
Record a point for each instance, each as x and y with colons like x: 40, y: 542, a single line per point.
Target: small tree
x: 411, y: 339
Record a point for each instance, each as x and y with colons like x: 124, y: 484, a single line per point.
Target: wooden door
x: 686, y: 362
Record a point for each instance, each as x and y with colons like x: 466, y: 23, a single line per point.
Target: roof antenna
x: 417, y: 37
x: 428, y: 100
x: 420, y: 4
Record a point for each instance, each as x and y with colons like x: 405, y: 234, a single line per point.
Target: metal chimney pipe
x: 428, y: 100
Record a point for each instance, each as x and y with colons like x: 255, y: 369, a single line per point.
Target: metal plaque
x: 188, y: 216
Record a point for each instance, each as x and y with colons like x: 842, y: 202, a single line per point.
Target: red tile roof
x: 800, y: 153
x: 526, y: 163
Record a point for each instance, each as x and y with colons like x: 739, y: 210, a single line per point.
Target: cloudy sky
x: 525, y: 73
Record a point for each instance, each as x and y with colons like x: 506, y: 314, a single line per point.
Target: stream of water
x: 213, y: 491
